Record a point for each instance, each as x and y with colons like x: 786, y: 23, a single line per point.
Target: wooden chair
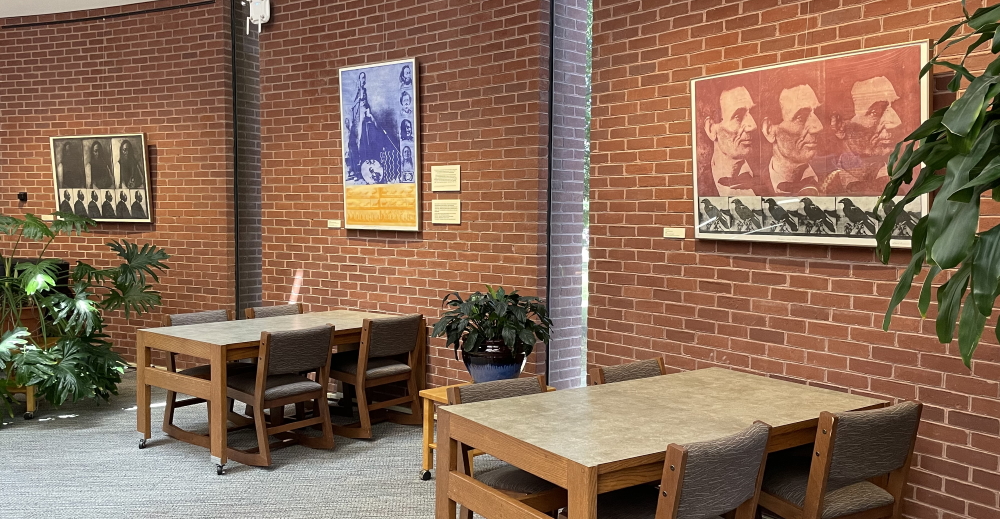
x: 273, y: 311
x: 278, y: 381
x: 623, y: 372
x: 844, y: 475
x: 392, y: 348
x: 705, y: 479
x: 519, y: 484
x: 202, y: 372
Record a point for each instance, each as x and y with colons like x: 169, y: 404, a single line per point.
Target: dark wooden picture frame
x: 104, y: 177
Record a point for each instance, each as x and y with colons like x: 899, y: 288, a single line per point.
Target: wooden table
x: 220, y: 343
x: 430, y: 397
x: 595, y: 439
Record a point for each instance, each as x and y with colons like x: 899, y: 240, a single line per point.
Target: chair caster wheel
x: 220, y: 470
x: 425, y: 475
x: 29, y: 416
x: 142, y: 443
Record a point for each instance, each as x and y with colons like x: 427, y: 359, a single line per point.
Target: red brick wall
x: 805, y: 313
x: 482, y: 89
x: 165, y: 74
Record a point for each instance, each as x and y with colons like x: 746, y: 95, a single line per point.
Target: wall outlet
x: 333, y: 224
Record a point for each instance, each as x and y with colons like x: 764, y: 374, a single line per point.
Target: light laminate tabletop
x: 612, y: 422
x: 248, y: 330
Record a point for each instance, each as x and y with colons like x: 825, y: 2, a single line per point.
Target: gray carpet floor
x: 82, y: 460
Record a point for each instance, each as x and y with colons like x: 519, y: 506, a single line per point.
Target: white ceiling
x: 11, y: 8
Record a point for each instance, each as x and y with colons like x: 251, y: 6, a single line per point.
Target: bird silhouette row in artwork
x: 906, y: 221
x: 811, y: 218
x: 858, y: 219
x: 748, y: 218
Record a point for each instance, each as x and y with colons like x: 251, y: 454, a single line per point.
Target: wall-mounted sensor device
x: 22, y: 196
x: 260, y: 13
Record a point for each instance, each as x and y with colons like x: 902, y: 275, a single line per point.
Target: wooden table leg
x: 447, y: 452
x: 345, y: 406
x: 582, y: 492
x: 428, y: 439
x: 217, y: 410
x: 422, y: 360
x: 142, y: 390
x: 29, y: 395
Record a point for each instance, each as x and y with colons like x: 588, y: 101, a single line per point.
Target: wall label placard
x: 446, y: 178
x: 674, y: 232
x: 446, y: 211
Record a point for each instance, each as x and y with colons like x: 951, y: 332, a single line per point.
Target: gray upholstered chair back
x: 394, y: 335
x: 721, y: 474
x: 872, y: 443
x: 298, y: 351
x: 499, y: 389
x: 208, y: 316
x: 632, y: 371
x: 276, y: 310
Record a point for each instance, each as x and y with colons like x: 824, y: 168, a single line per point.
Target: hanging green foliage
x: 68, y: 357
x: 957, y: 154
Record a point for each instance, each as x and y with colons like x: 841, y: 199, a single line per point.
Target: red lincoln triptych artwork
x: 798, y: 152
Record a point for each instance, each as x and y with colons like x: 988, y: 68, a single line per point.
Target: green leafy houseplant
x: 484, y: 322
x: 963, y: 140
x: 67, y: 357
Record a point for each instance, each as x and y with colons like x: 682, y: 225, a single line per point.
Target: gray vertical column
x: 570, y: 149
x: 246, y: 75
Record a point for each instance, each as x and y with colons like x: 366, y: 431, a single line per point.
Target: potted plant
x: 495, y: 331
x: 65, y: 355
x: 959, y: 149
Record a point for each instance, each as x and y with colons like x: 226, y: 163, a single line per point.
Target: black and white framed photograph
x: 104, y: 177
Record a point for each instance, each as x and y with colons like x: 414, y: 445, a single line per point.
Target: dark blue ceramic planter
x: 489, y: 366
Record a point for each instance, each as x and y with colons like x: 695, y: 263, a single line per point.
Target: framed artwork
x: 104, y: 177
x: 798, y: 152
x: 378, y: 105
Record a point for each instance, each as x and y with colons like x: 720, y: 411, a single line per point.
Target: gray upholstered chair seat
x: 200, y: 372
x: 629, y: 503
x: 633, y: 371
x: 508, y: 388
x: 377, y: 367
x: 789, y: 480
x: 506, y: 478
x: 277, y: 310
x: 513, y: 479
x: 208, y: 316
x: 389, y: 346
x: 232, y: 368
x: 283, y: 358
x: 278, y: 386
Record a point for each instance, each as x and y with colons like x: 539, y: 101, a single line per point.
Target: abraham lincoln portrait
x: 802, y: 148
